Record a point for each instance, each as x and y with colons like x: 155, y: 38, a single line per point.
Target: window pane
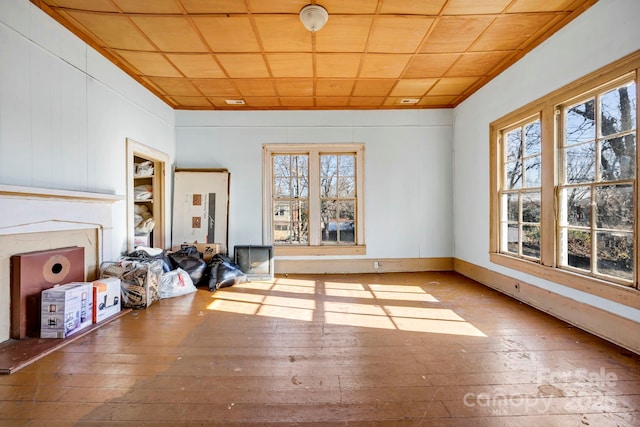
x: 347, y: 210
x: 347, y: 165
x: 532, y: 138
x: 328, y: 165
x: 328, y: 210
x: 615, y: 254
x: 513, y: 175
x: 531, y: 206
x: 281, y: 233
x: 580, y: 163
x: 512, y: 238
x: 514, y: 145
x: 299, y: 188
x: 513, y: 210
x: 300, y: 174
x: 299, y: 222
x: 346, y: 187
x: 300, y: 166
x: 330, y: 231
x: 578, y: 249
x: 532, y: 171
x: 618, y: 158
x: 580, y: 123
x: 578, y: 206
x: 618, y: 110
x: 328, y: 186
x: 281, y: 165
x: 614, y: 207
x: 531, y: 240
x: 347, y: 232
x: 281, y: 211
x: 281, y: 188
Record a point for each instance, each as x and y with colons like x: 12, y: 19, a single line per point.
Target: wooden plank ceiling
x: 371, y: 54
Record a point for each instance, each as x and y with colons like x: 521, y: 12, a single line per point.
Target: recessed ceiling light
x: 234, y: 101
x: 409, y: 100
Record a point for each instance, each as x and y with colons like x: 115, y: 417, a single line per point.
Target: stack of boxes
x: 67, y: 309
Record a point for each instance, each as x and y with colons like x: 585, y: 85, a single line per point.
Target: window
x: 564, y: 184
x: 520, y: 192
x: 597, y: 177
x: 290, y: 198
x: 313, y: 202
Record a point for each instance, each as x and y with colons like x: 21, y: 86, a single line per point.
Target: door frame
x: 160, y: 160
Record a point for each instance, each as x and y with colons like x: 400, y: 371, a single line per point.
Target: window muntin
x: 314, y: 198
x: 597, y: 182
x: 520, y: 193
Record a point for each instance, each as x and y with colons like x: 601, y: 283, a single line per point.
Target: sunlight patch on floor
x: 348, y: 304
x: 349, y: 293
x: 409, y: 296
x: 286, y: 312
x: 361, y: 320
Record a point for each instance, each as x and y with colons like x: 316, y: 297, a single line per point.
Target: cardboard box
x: 66, y: 309
x: 208, y: 249
x: 106, y: 298
x: 142, y: 240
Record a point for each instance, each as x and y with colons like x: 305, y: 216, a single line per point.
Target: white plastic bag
x: 143, y: 192
x: 176, y: 283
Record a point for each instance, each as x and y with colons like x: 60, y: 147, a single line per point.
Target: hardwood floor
x: 409, y: 349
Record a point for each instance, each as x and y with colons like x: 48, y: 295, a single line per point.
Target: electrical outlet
x: 376, y: 264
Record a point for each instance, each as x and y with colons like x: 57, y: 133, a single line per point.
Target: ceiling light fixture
x: 313, y: 17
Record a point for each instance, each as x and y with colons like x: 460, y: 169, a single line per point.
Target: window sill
x: 621, y: 294
x: 282, y: 250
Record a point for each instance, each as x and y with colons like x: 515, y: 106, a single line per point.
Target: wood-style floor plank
x: 397, y: 349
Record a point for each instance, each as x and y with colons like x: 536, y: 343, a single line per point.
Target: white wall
x: 65, y: 112
x: 604, y: 33
x: 408, y: 174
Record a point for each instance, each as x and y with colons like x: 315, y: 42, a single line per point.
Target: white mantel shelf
x: 50, y: 193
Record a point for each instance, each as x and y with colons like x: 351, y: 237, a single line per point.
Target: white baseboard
x: 345, y: 266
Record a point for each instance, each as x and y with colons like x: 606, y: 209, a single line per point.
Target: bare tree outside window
x: 597, y: 184
x: 521, y: 196
x: 570, y: 215
x: 291, y: 198
x: 314, y: 201
x: 337, y: 195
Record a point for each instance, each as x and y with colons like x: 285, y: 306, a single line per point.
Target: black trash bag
x: 222, y: 273
x: 193, y: 264
x: 142, y: 255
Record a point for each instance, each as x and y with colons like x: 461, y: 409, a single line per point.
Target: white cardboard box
x: 106, y: 298
x: 66, y: 309
x: 142, y: 240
